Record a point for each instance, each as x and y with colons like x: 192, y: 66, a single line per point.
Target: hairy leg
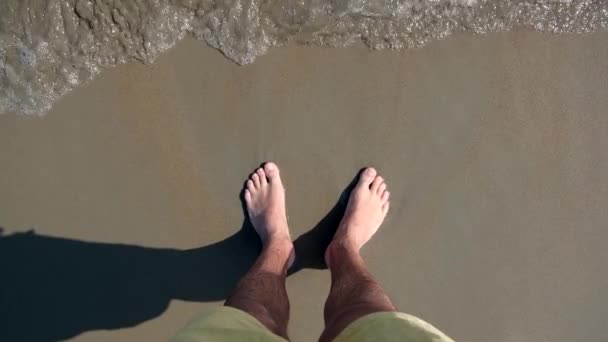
x: 261, y: 292
x: 354, y: 292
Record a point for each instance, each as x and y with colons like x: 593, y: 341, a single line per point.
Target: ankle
x: 279, y: 253
x: 344, y: 237
x: 278, y: 240
x: 279, y: 244
x: 340, y: 249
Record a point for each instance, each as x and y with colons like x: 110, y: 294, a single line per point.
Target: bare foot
x: 366, y: 209
x: 265, y: 199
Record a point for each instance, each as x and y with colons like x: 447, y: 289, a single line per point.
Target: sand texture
x: 495, y: 149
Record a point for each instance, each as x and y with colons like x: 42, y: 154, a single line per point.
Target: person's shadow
x: 54, y: 288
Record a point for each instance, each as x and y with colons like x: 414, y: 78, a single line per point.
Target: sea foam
x: 49, y: 47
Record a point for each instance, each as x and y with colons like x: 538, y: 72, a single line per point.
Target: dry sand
x: 495, y: 149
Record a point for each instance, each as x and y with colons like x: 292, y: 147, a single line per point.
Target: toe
x: 381, y: 189
x: 367, y: 176
x: 250, y: 186
x: 260, y: 172
x: 272, y: 171
x: 385, y: 207
x: 376, y: 183
x: 385, y: 196
x: 247, y: 196
x: 256, y: 180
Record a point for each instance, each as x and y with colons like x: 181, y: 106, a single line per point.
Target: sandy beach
x: 495, y: 149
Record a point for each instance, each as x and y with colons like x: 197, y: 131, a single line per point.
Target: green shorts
x: 228, y: 324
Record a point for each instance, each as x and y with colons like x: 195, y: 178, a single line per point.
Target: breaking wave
x: 49, y: 47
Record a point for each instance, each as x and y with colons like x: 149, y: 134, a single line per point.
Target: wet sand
x: 495, y: 149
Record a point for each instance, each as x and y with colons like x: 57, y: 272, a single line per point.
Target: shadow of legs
x: 54, y: 288
x: 310, y: 247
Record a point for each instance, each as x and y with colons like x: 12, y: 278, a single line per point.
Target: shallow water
x: 48, y: 47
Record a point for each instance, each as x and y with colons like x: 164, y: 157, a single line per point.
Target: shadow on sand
x: 54, y: 288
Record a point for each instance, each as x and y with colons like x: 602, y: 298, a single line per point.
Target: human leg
x: 354, y: 291
x: 261, y: 292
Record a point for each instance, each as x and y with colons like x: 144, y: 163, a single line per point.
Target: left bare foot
x: 265, y: 200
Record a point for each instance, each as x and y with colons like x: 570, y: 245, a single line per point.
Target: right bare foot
x: 366, y: 209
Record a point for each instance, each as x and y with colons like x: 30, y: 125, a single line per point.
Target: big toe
x: 272, y: 171
x: 367, y: 177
